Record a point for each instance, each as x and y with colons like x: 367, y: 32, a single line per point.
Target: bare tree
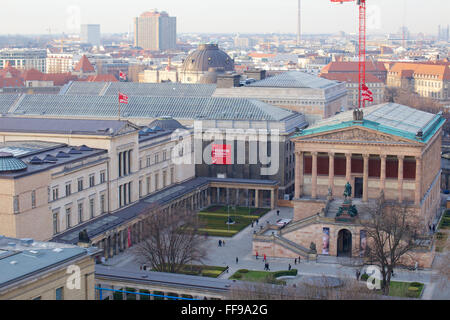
x: 171, y: 240
x: 392, y: 232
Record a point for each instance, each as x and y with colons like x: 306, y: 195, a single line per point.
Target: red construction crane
x: 364, y: 92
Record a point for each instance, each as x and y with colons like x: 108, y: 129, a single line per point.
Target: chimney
x: 228, y: 80
x: 256, y: 74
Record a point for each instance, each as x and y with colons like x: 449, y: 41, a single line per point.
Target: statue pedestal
x: 347, y: 212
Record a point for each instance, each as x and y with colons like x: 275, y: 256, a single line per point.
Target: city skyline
x: 253, y: 16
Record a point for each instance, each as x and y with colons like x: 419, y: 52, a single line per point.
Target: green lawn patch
x: 262, y: 276
x: 406, y: 289
x: 215, y: 220
x: 445, y: 221
x: 204, y: 271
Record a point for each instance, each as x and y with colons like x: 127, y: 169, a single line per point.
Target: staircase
x: 292, y: 246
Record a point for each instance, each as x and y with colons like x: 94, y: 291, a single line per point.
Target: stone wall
x: 306, y: 208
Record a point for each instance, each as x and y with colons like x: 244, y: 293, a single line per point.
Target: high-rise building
x: 90, y: 33
x: 155, y: 30
x: 299, y: 23
x: 24, y: 59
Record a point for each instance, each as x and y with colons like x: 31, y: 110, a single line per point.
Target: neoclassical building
x: 392, y: 149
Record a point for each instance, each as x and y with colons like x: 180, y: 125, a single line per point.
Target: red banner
x: 221, y: 154
x: 123, y: 98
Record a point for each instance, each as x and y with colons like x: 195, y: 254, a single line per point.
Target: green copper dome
x: 8, y: 163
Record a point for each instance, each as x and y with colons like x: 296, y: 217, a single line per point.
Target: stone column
x: 314, y: 176
x: 418, y: 193
x: 256, y: 198
x: 383, y: 172
x: 331, y: 171
x: 272, y: 199
x: 298, y: 175
x: 366, y: 178
x: 348, y: 167
x: 400, y: 178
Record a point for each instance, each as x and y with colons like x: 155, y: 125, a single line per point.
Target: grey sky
x: 223, y: 16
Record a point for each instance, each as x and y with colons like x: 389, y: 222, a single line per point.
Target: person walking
x: 220, y: 243
x: 278, y: 212
x: 358, y: 274
x: 256, y: 255
x: 237, y: 260
x: 257, y: 221
x: 252, y: 223
x: 298, y: 259
x: 265, y: 260
x: 295, y: 261
x: 223, y: 243
x: 290, y: 267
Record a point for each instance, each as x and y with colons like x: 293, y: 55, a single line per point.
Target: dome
x: 207, y: 56
x: 168, y: 124
x: 8, y: 163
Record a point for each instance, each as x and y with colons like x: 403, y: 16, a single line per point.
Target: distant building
x: 352, y: 83
x: 34, y: 270
x: 59, y: 62
x: 372, y: 67
x: 84, y: 68
x: 90, y: 33
x: 156, y: 31
x: 426, y: 79
x: 24, y: 59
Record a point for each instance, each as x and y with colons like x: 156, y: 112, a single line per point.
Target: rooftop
x: 189, y: 108
x: 62, y: 126
x: 390, y: 118
x: 25, y: 258
x: 294, y: 79
x: 29, y: 157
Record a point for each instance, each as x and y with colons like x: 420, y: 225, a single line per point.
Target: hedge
x: 292, y: 272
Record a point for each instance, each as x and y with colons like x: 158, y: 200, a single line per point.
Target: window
x: 80, y: 212
x: 102, y: 177
x: 91, y: 181
x: 68, y: 217
x: 140, y: 188
x: 164, y: 155
x: 102, y: 204
x: 60, y: 293
x: 33, y: 199
x: 80, y: 184
x: 149, y: 161
x: 68, y: 189
x: 16, y: 204
x: 149, y: 185
x: 55, y: 222
x: 92, y: 207
x: 156, y: 158
x: 55, y: 193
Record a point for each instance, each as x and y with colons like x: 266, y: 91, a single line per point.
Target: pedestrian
x: 290, y: 267
x: 237, y: 260
x: 228, y: 269
x: 295, y: 261
x: 265, y: 257
x: 358, y: 274
x: 256, y: 255
x: 257, y: 221
x: 140, y: 267
x: 298, y: 259
x: 252, y: 224
x: 434, y: 228
x: 223, y: 243
x: 392, y: 273
x: 278, y: 212
x: 220, y: 243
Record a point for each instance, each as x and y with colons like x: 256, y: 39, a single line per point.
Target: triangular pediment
x: 356, y: 135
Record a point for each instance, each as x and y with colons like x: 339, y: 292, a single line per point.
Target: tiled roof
x: 151, y: 107
x: 389, y: 118
x: 101, y: 78
x: 350, y: 77
x: 294, y: 79
x: 142, y: 89
x: 84, y: 65
x: 350, y: 66
x: 442, y: 71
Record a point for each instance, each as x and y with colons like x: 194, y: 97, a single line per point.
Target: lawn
x: 405, y: 289
x: 262, y: 276
x: 215, y: 220
x: 445, y: 222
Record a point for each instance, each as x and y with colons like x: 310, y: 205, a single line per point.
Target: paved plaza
x: 240, y: 246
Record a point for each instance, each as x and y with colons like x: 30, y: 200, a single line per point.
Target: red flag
x: 122, y: 76
x: 367, y: 95
x: 123, y: 98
